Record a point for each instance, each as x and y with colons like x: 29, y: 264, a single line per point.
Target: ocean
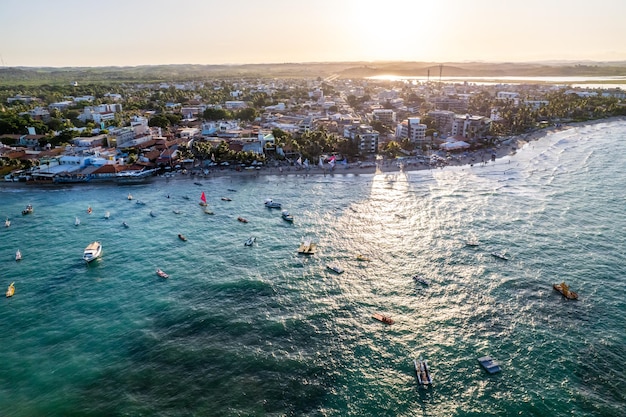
x: 263, y: 331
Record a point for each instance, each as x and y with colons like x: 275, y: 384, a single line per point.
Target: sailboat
x: 203, y: 199
x: 107, y: 215
x: 7, y: 222
x: 76, y: 221
x: 18, y: 255
x: 130, y: 197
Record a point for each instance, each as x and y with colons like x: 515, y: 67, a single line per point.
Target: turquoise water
x: 242, y: 331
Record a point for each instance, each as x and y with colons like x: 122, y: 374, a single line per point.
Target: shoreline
x: 506, y: 147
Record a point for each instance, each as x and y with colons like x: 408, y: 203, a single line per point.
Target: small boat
x: 18, y: 255
x: 7, y: 222
x: 152, y: 214
x: 421, y: 279
x: 11, y: 290
x: 207, y: 211
x: 286, y: 216
x: 198, y: 183
x: 203, y: 199
x: 76, y: 221
x: 489, y: 364
x: 232, y: 189
x: 363, y: 258
x: 89, y: 210
x: 186, y: 197
x: 563, y: 288
x: 141, y: 203
x: 472, y: 242
x: 500, y: 255
x: 307, y: 248
x: 125, y: 224
x: 335, y: 269
x: 382, y: 318
x: 130, y: 197
x: 422, y: 372
x: 27, y: 210
x: 242, y: 220
x: 226, y: 199
x: 161, y: 273
x: 250, y: 241
x: 176, y: 211
x: 269, y: 203
x: 107, y: 215
x: 182, y: 237
x: 92, y: 251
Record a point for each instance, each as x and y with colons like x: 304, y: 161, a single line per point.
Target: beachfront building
x: 470, y: 127
x: 412, y: 130
x: 365, y: 137
x: 443, y: 120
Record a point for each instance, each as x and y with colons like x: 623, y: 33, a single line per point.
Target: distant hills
x: 188, y: 72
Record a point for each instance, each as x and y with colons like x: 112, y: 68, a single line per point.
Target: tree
x: 217, y: 114
x: 159, y: 120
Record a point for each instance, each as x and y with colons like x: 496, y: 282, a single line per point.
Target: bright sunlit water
x: 243, y: 331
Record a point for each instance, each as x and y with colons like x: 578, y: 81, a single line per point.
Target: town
x: 129, y: 131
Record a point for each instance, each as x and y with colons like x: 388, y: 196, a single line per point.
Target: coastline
x: 506, y: 147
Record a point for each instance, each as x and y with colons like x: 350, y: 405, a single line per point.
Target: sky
x: 89, y: 33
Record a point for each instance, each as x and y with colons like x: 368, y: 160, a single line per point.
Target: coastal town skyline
x: 71, y: 33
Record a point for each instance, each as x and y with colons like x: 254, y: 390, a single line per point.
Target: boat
x: 250, y: 241
x: 307, y: 248
x: 198, y: 183
x: 141, y: 203
x: 363, y: 258
x: 335, y: 269
x: 472, y: 242
x: 186, y: 197
x: 130, y: 197
x: 125, y: 224
x: 152, y: 214
x: 7, y: 222
x: 489, y: 364
x: 269, y: 203
x: 226, y: 199
x: 134, y: 176
x: 161, y: 273
x: 232, y: 189
x: 11, y: 290
x: 422, y: 372
x: 107, y: 215
x: 382, y: 318
x: 563, y: 288
x: 242, y: 220
x: 92, y: 251
x: 500, y: 255
x: 421, y: 279
x: 203, y: 199
x: 286, y: 216
x: 182, y: 237
x: 18, y: 255
x: 76, y: 221
x: 89, y: 210
x: 207, y: 211
x: 176, y: 211
x: 27, y: 210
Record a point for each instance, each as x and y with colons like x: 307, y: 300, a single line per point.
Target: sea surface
x: 263, y: 331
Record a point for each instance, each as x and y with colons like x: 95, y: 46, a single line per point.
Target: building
x: 365, y: 137
x: 443, y: 120
x: 386, y: 116
x: 470, y: 127
x: 412, y: 130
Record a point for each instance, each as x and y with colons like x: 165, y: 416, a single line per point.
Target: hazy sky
x: 143, y: 32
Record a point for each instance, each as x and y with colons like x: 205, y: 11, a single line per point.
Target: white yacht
x: 92, y: 251
x: 269, y: 203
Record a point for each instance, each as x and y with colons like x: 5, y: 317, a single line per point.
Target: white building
x: 387, y: 116
x: 412, y: 130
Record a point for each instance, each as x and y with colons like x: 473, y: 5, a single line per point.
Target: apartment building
x: 387, y: 116
x: 413, y: 130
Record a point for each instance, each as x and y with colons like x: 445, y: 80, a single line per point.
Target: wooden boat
x: 182, y: 237
x: 335, y: 269
x: 11, y: 290
x: 250, y: 241
x: 27, y: 210
x: 161, y: 273
x: 422, y: 372
x: 421, y: 279
x: 242, y: 220
x: 563, y: 288
x: 489, y: 364
x: 307, y: 248
x: 382, y: 318
x: 362, y: 258
x: 18, y: 255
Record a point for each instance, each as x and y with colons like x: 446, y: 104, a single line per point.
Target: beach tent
x: 454, y: 146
